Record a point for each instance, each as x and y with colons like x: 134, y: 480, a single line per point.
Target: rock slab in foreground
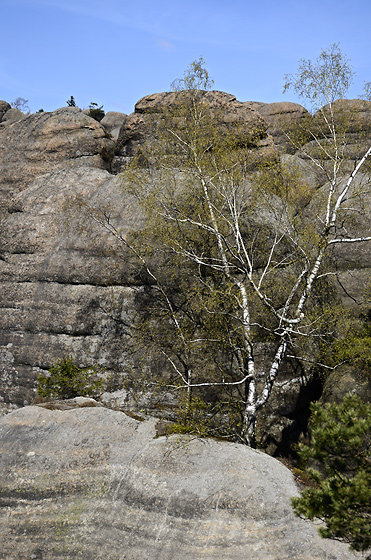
x: 94, y: 483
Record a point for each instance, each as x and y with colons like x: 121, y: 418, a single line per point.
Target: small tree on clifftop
x: 21, y: 104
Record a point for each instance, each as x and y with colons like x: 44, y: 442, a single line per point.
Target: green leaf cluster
x: 323, y: 81
x: 195, y: 78
x: 352, y: 348
x: 339, y: 459
x: 66, y: 380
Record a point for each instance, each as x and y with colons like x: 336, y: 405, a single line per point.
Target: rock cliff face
x: 44, y: 142
x: 54, y: 295
x: 63, y: 292
x: 94, y: 483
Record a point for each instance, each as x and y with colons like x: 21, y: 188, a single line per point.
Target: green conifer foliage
x: 66, y: 380
x: 339, y: 455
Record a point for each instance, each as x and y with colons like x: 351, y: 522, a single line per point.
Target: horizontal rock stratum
x: 95, y: 483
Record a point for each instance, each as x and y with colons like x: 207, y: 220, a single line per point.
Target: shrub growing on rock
x: 96, y: 112
x: 340, y: 457
x: 66, y: 380
x: 71, y: 102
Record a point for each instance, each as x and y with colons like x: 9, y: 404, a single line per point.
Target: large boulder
x: 112, y: 122
x: 283, y: 118
x: 138, y: 126
x: 44, y: 142
x: 95, y: 483
x: 11, y: 116
x: 4, y: 107
x: 351, y: 115
x: 353, y: 122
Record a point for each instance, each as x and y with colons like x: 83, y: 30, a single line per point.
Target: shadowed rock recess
x: 94, y: 483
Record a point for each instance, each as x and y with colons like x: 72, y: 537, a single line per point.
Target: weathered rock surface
x: 44, y: 142
x: 11, y: 116
x: 281, y: 118
x: 353, y: 260
x: 355, y: 114
x: 339, y: 383
x: 137, y: 126
x: 54, y: 292
x: 4, y: 107
x: 353, y: 118
x: 54, y: 295
x: 94, y: 483
x: 112, y: 122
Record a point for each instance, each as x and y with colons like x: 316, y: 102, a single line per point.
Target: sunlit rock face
x: 43, y: 142
x: 94, y: 483
x: 62, y: 293
x: 252, y: 128
x: 54, y: 281
x: 67, y: 291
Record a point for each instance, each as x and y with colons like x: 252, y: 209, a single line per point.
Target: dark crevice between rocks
x: 291, y: 435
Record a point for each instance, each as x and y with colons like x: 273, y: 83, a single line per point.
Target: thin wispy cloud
x: 164, y: 45
x: 140, y: 20
x: 165, y: 24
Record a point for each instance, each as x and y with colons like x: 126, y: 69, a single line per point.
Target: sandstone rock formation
x: 112, y: 122
x: 138, y: 125
x: 4, y: 107
x: 11, y: 116
x: 354, y: 118
x: 44, y: 142
x: 62, y: 293
x: 94, y: 483
x: 71, y: 291
x: 281, y: 119
x: 54, y: 281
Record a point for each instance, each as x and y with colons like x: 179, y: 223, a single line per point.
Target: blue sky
x: 114, y: 52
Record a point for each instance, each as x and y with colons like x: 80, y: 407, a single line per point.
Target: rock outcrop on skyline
x: 42, y: 142
x: 252, y: 129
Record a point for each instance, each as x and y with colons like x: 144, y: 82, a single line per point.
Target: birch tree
x: 246, y: 241
x: 247, y: 255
